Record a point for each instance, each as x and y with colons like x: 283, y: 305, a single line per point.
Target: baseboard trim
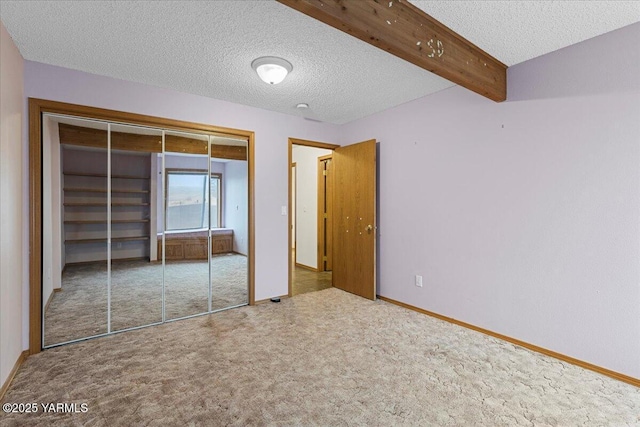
x: 306, y: 267
x: 263, y: 301
x: 586, y: 365
x: 13, y: 372
x: 46, y: 306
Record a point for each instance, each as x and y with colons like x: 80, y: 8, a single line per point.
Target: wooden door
x: 328, y: 223
x: 325, y: 212
x: 294, y: 184
x: 354, y: 219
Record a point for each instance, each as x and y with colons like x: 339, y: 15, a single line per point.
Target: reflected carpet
x: 80, y: 309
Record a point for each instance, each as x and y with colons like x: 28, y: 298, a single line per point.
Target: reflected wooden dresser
x: 193, y: 245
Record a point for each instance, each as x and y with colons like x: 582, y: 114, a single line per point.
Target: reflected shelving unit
x: 85, y: 207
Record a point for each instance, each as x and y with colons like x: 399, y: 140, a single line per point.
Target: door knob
x: 369, y: 228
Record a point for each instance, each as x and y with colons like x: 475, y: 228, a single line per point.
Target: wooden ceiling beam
x: 407, y: 32
x: 97, y: 138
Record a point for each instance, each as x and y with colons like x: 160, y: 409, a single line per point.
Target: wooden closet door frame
x: 38, y: 107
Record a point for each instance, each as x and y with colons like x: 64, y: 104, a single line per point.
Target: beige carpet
x: 80, y: 310
x: 326, y: 358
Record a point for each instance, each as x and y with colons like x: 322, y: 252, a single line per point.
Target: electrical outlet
x: 418, y: 281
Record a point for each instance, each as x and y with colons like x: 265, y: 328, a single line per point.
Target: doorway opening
x: 310, y: 216
x: 345, y: 241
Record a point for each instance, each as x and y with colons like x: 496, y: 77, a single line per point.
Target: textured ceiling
x: 516, y: 31
x: 207, y: 47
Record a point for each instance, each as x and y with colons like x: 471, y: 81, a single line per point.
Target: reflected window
x: 189, y: 206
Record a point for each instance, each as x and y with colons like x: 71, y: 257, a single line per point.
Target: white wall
x: 523, y: 216
x: 52, y: 244
x: 272, y: 131
x: 12, y: 252
x: 236, y: 195
x: 306, y: 160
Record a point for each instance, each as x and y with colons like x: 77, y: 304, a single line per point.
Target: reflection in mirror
x: 186, y: 244
x: 139, y: 226
x: 229, y: 222
x: 74, y: 235
x: 136, y: 275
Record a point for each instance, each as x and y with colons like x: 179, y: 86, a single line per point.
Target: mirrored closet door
x: 229, y: 222
x: 146, y: 225
x: 186, y: 244
x: 136, y: 280
x: 75, y: 168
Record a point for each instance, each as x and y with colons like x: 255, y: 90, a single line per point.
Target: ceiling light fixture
x: 302, y: 106
x: 271, y: 70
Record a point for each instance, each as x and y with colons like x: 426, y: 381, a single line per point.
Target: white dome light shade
x: 271, y: 70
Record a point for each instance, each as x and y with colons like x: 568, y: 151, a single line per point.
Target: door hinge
x: 326, y: 216
x: 324, y: 173
x: 324, y: 258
